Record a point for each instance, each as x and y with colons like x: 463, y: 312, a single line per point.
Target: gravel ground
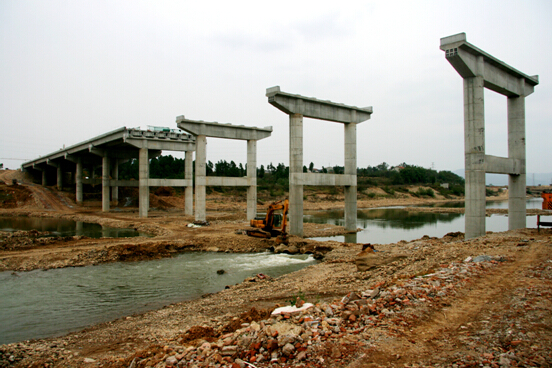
x: 429, y: 302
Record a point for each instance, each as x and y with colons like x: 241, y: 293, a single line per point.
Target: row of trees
x: 173, y: 168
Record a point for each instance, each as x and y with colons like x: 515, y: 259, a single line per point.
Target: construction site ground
x: 439, y: 302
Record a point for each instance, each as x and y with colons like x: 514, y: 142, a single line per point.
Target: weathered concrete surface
x: 297, y: 106
x: 205, y: 129
x: 481, y: 70
x: 109, y: 150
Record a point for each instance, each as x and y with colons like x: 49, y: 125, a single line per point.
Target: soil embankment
x: 427, y: 302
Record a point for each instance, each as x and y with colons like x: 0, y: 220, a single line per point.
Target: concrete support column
x: 78, y: 182
x: 295, y: 168
x: 252, y: 176
x: 201, y: 158
x: 516, y: 150
x: 105, y: 184
x: 474, y: 151
x: 44, y: 181
x: 350, y: 169
x: 59, y: 177
x: 189, y: 190
x: 79, y: 230
x: 115, y: 176
x: 143, y: 176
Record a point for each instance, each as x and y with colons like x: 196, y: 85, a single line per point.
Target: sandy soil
x: 434, y: 306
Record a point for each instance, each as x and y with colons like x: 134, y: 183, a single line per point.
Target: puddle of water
x: 63, y: 227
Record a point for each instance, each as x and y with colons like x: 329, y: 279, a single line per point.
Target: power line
x: 19, y: 159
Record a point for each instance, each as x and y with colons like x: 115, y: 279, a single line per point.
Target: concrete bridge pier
x: 189, y: 190
x: 474, y: 153
x: 297, y: 107
x: 203, y: 129
x: 517, y: 208
x: 59, y: 176
x: 78, y: 182
x: 252, y: 177
x: 481, y: 70
x: 105, y: 184
x: 350, y: 168
x: 115, y: 176
x: 295, y: 167
x: 201, y: 173
x: 143, y: 178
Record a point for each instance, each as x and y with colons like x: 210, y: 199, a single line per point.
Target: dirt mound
x: 247, y: 317
x: 13, y: 196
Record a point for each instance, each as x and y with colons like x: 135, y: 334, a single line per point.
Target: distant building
x: 397, y: 168
x: 445, y: 185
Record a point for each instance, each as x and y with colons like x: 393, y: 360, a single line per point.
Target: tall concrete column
x: 78, y: 181
x: 350, y: 169
x: 474, y: 151
x: 143, y: 177
x: 105, y: 184
x: 44, y: 181
x: 115, y: 176
x: 201, y: 158
x: 59, y: 177
x: 189, y: 190
x: 252, y: 176
x: 516, y: 150
x: 295, y: 169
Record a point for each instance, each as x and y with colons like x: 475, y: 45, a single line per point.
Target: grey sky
x: 72, y: 70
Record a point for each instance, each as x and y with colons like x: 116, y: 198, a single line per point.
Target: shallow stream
x: 41, y: 303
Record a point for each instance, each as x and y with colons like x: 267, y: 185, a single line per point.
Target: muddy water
x: 391, y: 225
x: 63, y: 227
x: 40, y: 303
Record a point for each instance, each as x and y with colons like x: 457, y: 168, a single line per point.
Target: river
x: 40, y: 303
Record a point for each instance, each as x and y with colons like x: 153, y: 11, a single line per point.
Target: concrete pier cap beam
x: 498, y: 76
x: 311, y: 107
x: 297, y: 107
x: 481, y: 70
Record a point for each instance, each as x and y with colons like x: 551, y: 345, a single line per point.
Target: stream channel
x: 38, y: 304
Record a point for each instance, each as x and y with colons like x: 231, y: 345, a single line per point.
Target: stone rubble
x: 342, y: 326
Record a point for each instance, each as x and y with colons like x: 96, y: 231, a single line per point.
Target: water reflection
x: 393, y: 224
x: 535, y: 203
x: 64, y: 227
x: 396, y: 218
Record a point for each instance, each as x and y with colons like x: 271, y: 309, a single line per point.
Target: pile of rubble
x: 337, y: 331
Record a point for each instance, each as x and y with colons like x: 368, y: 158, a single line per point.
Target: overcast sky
x: 72, y: 70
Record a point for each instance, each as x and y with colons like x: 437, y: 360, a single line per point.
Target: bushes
x: 424, y: 192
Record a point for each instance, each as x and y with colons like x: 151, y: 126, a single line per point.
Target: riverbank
x: 435, y: 303
x: 426, y: 302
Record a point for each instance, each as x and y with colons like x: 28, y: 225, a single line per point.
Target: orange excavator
x: 273, y: 224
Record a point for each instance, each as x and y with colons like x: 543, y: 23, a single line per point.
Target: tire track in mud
x: 439, y: 339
